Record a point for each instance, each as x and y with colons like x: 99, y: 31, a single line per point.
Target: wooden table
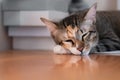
x: 44, y: 65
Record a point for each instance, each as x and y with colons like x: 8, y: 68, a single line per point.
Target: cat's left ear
x: 49, y: 24
x: 91, y: 14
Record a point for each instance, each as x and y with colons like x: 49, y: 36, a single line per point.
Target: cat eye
x: 84, y: 36
x: 69, y: 41
x: 92, y: 31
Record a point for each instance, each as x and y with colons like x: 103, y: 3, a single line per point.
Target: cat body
x: 107, y: 26
x: 86, y: 31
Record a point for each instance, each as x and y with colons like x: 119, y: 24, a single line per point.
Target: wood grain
x: 45, y: 65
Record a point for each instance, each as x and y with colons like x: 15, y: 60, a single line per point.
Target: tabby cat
x: 86, y: 31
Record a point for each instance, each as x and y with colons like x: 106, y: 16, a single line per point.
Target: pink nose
x: 80, y: 49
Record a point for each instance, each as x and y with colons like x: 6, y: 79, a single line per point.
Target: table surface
x: 45, y: 65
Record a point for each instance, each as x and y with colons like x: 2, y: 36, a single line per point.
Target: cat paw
x: 75, y: 51
x: 60, y: 50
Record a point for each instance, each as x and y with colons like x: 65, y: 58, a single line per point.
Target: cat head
x: 82, y: 37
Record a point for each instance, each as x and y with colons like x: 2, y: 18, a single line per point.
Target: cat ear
x: 49, y: 24
x: 91, y: 14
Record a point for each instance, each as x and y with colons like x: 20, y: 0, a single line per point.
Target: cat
x: 77, y: 5
x: 86, y: 31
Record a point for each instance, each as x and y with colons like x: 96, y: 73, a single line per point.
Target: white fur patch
x: 60, y: 50
x: 75, y: 51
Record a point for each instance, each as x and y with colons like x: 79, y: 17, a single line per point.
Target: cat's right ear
x: 91, y: 14
x: 49, y: 24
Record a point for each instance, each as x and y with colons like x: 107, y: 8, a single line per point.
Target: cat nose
x: 80, y: 49
x: 80, y: 46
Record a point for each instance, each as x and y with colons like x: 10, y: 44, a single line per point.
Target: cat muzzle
x: 80, y: 49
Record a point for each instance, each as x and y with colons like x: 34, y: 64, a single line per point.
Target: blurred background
x: 21, y: 29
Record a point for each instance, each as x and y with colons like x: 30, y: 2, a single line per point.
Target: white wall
x: 61, y: 5
x: 104, y: 4
x: 4, y: 40
x: 36, y: 5
x: 107, y: 4
x: 118, y: 4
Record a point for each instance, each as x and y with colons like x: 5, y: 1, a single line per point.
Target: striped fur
x: 86, y: 31
x: 108, y: 28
